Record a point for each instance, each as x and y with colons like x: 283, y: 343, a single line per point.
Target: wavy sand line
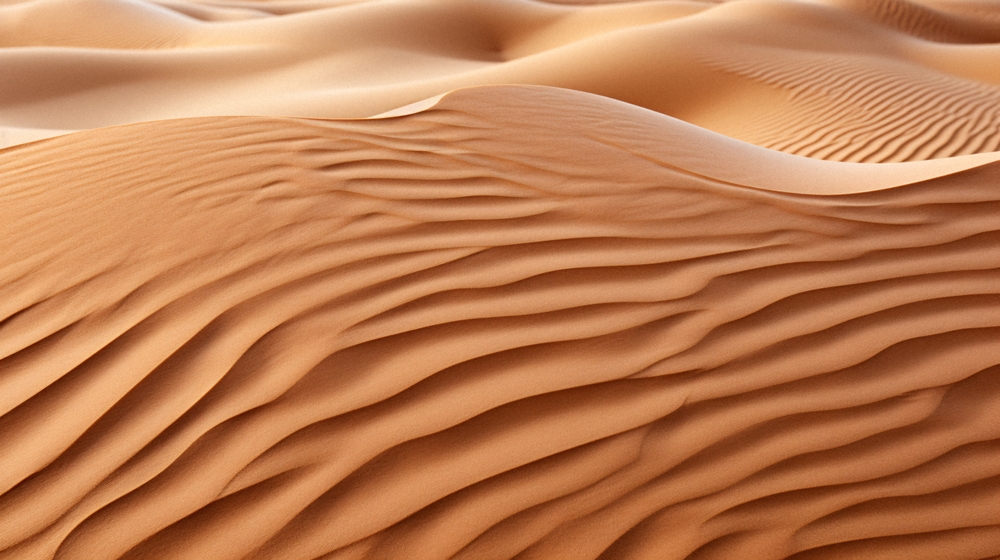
x: 872, y: 111
x: 944, y: 22
x: 437, y: 335
x: 844, y: 80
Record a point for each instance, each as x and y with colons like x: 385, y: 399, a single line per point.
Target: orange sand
x: 851, y: 80
x: 505, y: 321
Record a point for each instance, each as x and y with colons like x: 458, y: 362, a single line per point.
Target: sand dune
x: 846, y: 80
x: 521, y: 321
x: 490, y: 279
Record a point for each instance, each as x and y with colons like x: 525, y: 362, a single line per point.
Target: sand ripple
x: 440, y: 335
x: 844, y: 80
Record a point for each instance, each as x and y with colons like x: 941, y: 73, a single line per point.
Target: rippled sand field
x: 486, y: 279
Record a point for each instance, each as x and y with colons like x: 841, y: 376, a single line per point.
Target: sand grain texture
x: 521, y: 322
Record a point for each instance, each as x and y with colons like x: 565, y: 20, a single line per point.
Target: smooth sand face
x: 499, y: 321
x: 845, y: 80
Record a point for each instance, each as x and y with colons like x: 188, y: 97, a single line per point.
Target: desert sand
x: 491, y: 279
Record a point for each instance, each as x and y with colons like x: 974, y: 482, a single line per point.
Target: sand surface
x: 846, y: 80
x: 484, y: 279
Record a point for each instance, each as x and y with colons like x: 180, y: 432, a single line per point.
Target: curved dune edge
x: 14, y: 136
x: 412, y: 108
x: 840, y: 80
x: 439, y: 335
x: 676, y: 143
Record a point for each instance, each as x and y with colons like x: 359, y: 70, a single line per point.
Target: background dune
x: 846, y: 80
x: 515, y: 323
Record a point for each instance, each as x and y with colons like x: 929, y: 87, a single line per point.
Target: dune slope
x: 438, y: 335
x: 844, y: 80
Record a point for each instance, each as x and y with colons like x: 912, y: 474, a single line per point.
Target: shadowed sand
x: 520, y: 321
x: 845, y: 80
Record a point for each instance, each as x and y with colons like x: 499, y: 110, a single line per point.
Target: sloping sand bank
x: 440, y: 335
x: 844, y: 80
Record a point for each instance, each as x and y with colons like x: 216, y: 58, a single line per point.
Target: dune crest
x: 439, y: 335
x: 844, y: 80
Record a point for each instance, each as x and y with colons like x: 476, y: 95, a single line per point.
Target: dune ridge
x: 859, y: 109
x: 438, y: 335
x: 892, y: 80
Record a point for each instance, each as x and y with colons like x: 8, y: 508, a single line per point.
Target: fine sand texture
x: 844, y: 80
x: 495, y: 279
x: 512, y: 321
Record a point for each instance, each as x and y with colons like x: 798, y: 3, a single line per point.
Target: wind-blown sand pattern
x: 513, y: 321
x: 852, y: 80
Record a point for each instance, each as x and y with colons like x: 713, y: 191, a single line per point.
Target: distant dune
x: 845, y: 80
x: 311, y: 282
